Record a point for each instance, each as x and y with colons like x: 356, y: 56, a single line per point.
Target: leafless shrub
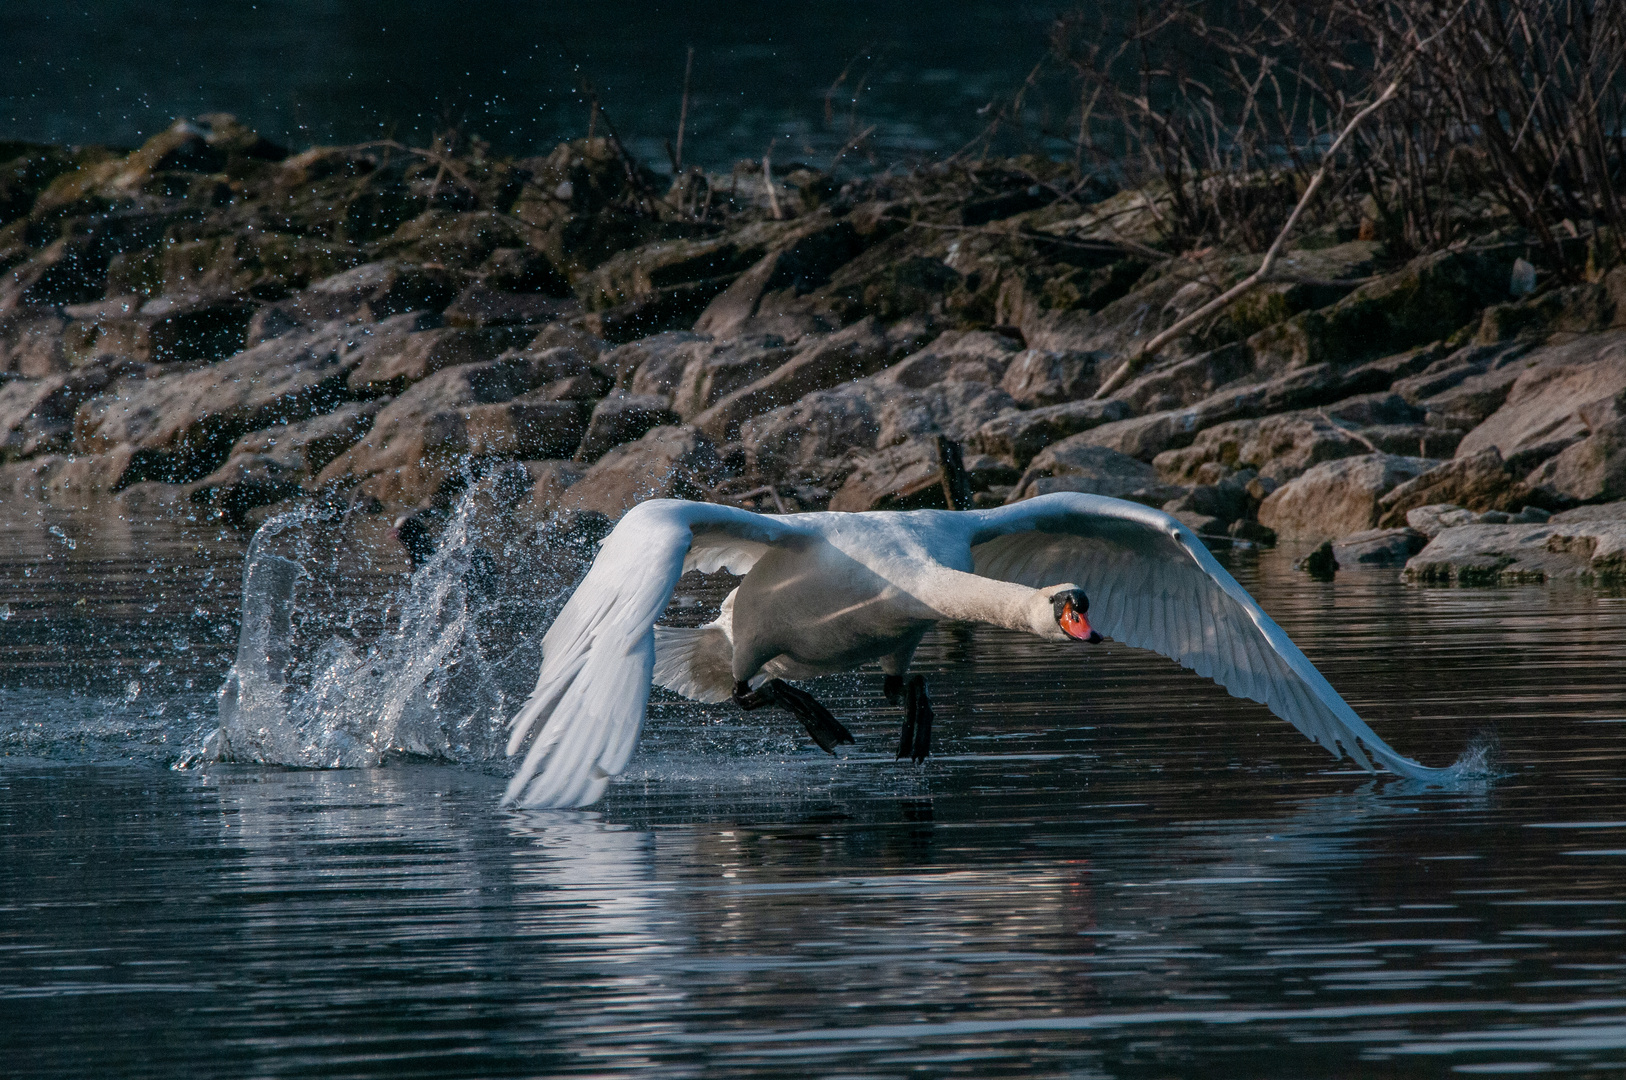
x: 1510, y: 111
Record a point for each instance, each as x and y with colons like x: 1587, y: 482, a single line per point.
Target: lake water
x: 1109, y: 868
x: 304, y: 71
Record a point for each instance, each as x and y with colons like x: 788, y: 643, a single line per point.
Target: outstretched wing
x: 597, y: 658
x: 1153, y: 585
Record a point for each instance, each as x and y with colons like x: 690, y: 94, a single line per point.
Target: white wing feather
x: 598, y: 657
x: 1153, y: 585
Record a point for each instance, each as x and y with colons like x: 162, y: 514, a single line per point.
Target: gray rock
x: 955, y: 356
x: 33, y: 341
x: 905, y: 477
x: 1615, y: 511
x: 714, y: 370
x: 1074, y: 465
x: 1590, y: 470
x: 422, y: 437
x: 1279, y: 447
x: 1038, y: 378
x: 401, y: 351
x: 1338, y: 498
x: 1378, y: 547
x: 1479, y: 482
x: 268, y: 466
x: 1508, y: 554
x: 481, y: 305
x: 854, y: 353
x: 370, y: 292
x: 667, y: 463
x: 622, y: 418
x: 36, y: 415
x: 1020, y: 436
x: 1544, y: 404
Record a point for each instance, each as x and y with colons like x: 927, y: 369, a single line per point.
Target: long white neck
x: 971, y: 598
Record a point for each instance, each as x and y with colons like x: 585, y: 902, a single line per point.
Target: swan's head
x: 1069, y: 605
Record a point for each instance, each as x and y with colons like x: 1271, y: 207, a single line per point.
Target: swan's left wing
x: 597, y: 658
x: 1153, y: 585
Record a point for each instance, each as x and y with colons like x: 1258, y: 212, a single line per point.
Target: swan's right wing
x: 598, y: 656
x: 1153, y: 585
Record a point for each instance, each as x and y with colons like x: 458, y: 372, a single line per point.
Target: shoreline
x: 211, y: 325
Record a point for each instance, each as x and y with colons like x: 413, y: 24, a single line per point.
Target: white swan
x: 828, y: 592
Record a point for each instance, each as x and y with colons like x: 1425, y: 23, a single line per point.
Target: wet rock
x: 954, y: 356
x: 676, y: 462
x: 1481, y: 481
x: 1435, y: 518
x: 481, y: 305
x: 182, y: 426
x: 1506, y: 554
x: 1590, y: 470
x: 422, y: 437
x: 1378, y: 548
x: 860, y: 350
x: 264, y: 265
x: 920, y: 474
x: 520, y: 270
x: 549, y: 482
x: 1279, y: 447
x: 1038, y: 378
x: 1321, y: 564
x: 172, y: 329
x: 1072, y: 465
x: 397, y: 360
x: 455, y: 240
x: 266, y: 467
x: 1338, y: 498
x: 654, y: 364
x: 1020, y: 436
x: 1543, y: 411
x: 36, y: 415
x: 1252, y: 532
x: 762, y: 298
x: 622, y: 418
x: 656, y: 312
x: 370, y: 292
x: 715, y: 369
x: 33, y: 342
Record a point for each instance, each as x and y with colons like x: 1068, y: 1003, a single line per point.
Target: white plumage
x: 828, y: 592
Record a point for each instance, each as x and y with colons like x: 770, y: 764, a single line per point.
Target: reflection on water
x: 1112, y: 870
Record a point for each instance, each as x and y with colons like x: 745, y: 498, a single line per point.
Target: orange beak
x: 1075, y: 625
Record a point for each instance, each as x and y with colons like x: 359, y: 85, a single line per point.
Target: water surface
x: 1109, y: 869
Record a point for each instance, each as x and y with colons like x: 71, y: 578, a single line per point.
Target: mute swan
x: 827, y: 592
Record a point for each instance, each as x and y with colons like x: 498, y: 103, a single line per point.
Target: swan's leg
x: 916, y: 740
x: 892, y: 687
x: 826, y: 730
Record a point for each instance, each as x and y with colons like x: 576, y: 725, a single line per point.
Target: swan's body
x: 828, y: 592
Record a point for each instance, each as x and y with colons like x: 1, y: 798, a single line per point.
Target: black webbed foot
x: 820, y: 723
x: 892, y: 688
x: 915, y: 742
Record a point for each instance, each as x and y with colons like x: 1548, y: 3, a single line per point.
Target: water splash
x: 328, y: 676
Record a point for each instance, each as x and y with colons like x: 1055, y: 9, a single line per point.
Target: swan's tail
x: 696, y: 663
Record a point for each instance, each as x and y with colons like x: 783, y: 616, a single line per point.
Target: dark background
x: 319, y: 71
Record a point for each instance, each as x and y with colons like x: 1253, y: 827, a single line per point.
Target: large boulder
x: 621, y: 418
x: 1019, y: 436
x: 1591, y: 470
x: 1338, y: 498
x: 716, y: 369
x: 36, y: 415
x: 1542, y: 413
x: 1281, y: 447
x: 860, y: 350
x: 182, y: 426
x: 1074, y: 465
x: 1038, y: 378
x: 407, y: 357
x: 422, y: 438
x: 1481, y: 481
x: 1506, y: 554
x: 34, y: 342
x: 676, y: 462
x: 266, y: 467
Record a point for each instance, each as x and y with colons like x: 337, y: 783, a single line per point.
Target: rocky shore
x: 211, y: 325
